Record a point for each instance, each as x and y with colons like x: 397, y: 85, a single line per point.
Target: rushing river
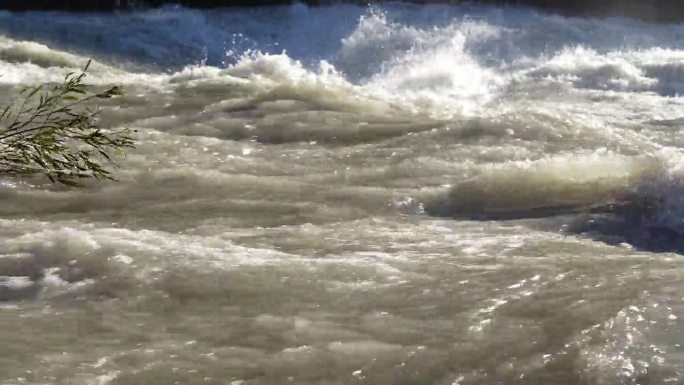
x: 344, y: 195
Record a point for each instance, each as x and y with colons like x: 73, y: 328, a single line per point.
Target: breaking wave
x: 271, y: 222
x: 463, y: 77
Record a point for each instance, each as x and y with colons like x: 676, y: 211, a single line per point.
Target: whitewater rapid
x: 338, y: 195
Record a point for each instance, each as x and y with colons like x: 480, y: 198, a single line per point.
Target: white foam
x: 458, y: 66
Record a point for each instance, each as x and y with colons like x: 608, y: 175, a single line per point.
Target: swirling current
x: 400, y: 194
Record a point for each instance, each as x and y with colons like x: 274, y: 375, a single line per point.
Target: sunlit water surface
x: 344, y: 195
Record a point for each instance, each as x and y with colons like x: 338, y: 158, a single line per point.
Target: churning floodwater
x: 347, y: 195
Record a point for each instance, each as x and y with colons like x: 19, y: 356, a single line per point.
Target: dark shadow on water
x: 638, y: 231
x: 638, y: 223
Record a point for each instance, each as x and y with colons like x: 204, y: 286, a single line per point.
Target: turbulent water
x: 344, y: 195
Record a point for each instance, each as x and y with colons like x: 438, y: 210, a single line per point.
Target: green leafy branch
x: 53, y: 132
